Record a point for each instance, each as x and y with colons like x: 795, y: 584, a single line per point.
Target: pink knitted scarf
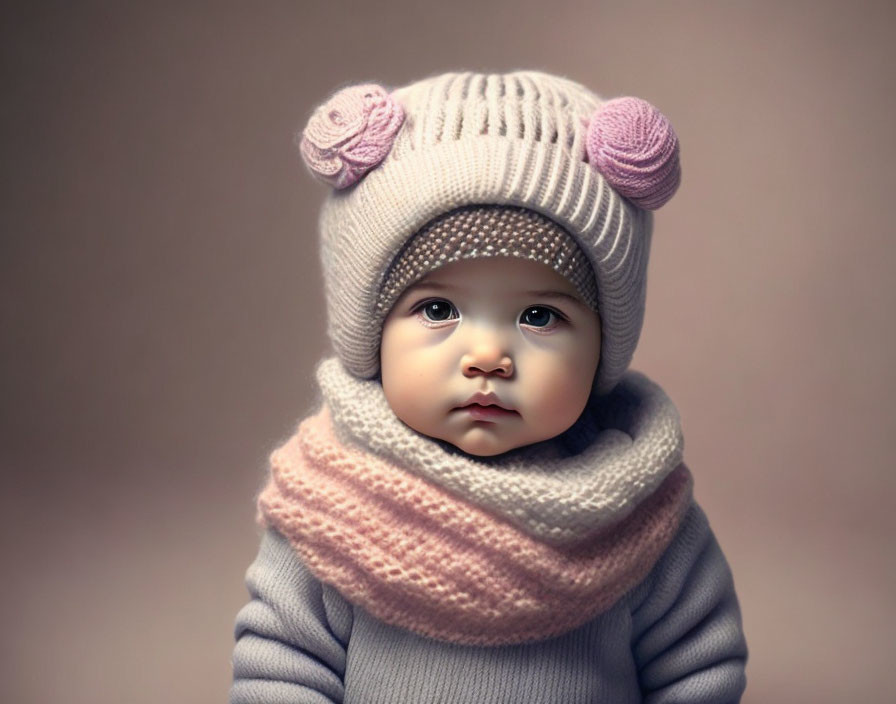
x: 416, y: 556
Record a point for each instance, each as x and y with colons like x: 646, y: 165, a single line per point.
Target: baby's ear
x: 350, y: 134
x: 634, y: 147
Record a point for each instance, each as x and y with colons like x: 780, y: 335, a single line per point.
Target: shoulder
x: 693, y: 549
x: 280, y: 576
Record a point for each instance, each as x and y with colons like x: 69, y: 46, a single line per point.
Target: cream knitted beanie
x: 397, y: 161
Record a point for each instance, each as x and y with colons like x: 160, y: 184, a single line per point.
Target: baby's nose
x: 487, y: 358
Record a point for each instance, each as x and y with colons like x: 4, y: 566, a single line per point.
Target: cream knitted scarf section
x: 559, y: 491
x: 514, y: 549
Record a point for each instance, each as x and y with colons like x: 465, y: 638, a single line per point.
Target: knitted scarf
x: 479, y: 551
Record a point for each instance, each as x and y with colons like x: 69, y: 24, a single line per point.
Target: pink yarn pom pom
x: 633, y: 146
x: 351, y: 134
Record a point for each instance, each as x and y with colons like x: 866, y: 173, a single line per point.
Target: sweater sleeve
x: 291, y: 637
x: 688, y: 641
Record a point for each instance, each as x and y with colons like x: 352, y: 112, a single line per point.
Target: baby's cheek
x: 566, y: 390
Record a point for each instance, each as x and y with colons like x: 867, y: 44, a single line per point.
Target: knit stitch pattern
x: 418, y: 557
x: 559, y: 491
x: 488, y: 231
x: 633, y: 145
x: 350, y: 134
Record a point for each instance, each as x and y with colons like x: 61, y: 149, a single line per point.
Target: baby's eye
x: 540, y: 317
x: 437, y: 311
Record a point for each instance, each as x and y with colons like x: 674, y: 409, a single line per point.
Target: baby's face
x: 490, y: 354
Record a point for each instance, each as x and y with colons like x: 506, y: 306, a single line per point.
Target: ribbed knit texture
x: 559, y: 491
x: 418, y: 557
x: 635, y: 148
x: 514, y: 139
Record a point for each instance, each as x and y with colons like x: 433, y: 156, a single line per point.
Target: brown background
x: 161, y: 308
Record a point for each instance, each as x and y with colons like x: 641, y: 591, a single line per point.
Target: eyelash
x: 419, y: 309
x: 558, y: 318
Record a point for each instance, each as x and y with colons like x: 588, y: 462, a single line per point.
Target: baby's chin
x: 479, y: 440
x: 481, y: 443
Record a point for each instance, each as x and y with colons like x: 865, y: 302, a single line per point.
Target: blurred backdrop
x: 161, y: 307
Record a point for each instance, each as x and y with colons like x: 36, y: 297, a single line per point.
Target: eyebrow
x: 433, y: 285
x: 555, y: 295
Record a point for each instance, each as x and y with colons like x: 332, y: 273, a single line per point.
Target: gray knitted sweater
x: 674, y: 638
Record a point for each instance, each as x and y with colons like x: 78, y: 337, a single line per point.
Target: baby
x: 487, y: 507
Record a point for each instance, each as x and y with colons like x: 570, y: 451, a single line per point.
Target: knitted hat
x: 399, y: 161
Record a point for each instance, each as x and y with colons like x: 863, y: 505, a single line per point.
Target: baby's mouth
x: 484, y: 399
x: 491, y: 412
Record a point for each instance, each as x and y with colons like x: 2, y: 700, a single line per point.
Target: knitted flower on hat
x: 633, y: 145
x: 350, y: 134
